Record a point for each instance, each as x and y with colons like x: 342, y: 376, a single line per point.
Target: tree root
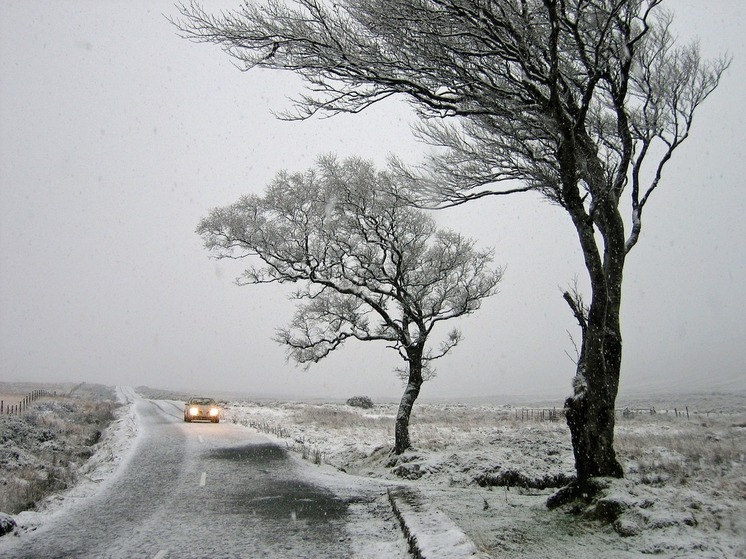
x: 578, y: 494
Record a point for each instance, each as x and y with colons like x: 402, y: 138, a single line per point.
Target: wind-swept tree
x: 372, y: 268
x: 581, y: 101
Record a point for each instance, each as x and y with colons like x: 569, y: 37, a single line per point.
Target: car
x: 205, y: 409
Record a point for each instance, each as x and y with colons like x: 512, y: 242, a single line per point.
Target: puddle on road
x: 274, y: 494
x: 299, y: 501
x: 284, y: 500
x: 256, y: 489
x: 255, y: 454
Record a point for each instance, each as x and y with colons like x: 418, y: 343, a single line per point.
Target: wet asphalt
x: 198, y: 490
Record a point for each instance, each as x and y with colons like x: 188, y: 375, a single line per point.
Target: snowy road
x: 216, y: 490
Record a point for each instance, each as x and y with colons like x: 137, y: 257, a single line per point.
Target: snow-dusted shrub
x: 514, y: 478
x: 360, y: 402
x: 42, y: 450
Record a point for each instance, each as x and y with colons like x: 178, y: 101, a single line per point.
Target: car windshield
x: 202, y: 401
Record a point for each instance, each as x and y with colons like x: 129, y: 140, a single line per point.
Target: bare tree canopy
x: 527, y: 77
x: 371, y: 267
x: 582, y: 101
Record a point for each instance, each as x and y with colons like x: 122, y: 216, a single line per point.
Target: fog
x: 117, y: 136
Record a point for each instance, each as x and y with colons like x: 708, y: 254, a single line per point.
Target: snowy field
x: 491, y: 471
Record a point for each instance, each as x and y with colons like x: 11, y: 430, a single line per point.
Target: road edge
x: 430, y: 533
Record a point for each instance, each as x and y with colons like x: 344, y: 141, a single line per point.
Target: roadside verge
x: 430, y: 533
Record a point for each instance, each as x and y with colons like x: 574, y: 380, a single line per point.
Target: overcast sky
x: 117, y: 136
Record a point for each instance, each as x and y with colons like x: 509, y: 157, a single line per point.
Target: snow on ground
x: 491, y: 473
x: 684, y: 494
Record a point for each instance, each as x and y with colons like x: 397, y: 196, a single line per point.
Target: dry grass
x: 43, y: 449
x: 29, y: 485
x: 332, y: 417
x: 666, y: 449
x: 459, y: 416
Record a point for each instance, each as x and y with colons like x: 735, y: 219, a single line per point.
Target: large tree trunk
x: 590, y: 410
x: 401, y: 439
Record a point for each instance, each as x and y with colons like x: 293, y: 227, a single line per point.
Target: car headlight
x: 193, y: 411
x: 214, y: 412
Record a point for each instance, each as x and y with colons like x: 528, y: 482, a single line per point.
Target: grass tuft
x: 44, y: 448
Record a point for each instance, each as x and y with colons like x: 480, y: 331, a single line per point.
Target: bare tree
x: 372, y: 267
x: 582, y: 101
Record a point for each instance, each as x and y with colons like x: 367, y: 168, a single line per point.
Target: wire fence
x: 539, y: 414
x: 555, y: 414
x: 23, y: 405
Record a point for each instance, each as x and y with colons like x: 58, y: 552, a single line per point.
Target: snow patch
x: 430, y: 533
